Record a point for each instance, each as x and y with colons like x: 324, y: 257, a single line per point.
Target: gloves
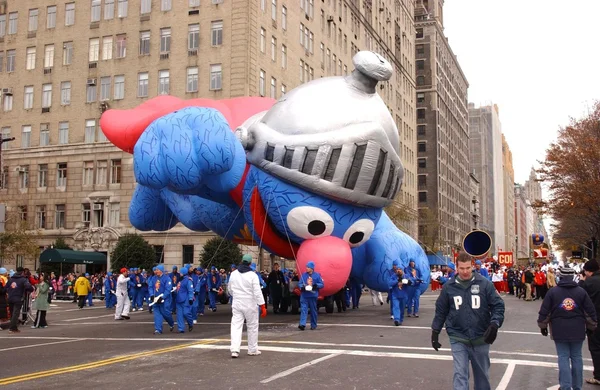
x: 544, y: 331
x: 191, y: 302
x: 160, y: 300
x: 263, y: 311
x: 112, y: 291
x: 490, y: 334
x: 589, y: 332
x: 152, y: 298
x: 435, y: 342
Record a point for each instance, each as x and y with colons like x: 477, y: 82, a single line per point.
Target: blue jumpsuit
x: 175, y: 278
x: 200, y: 287
x: 185, y: 294
x: 151, y: 280
x: 162, y: 311
x: 413, y: 291
x: 195, y: 279
x: 214, y: 283
x: 109, y: 298
x: 398, y: 299
x: 138, y: 291
x: 308, y: 299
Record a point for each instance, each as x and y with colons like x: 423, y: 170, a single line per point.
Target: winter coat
x: 569, y: 310
x: 82, y: 286
x: 17, y: 287
x: 41, y: 300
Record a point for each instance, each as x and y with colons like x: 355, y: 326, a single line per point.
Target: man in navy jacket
x: 473, y: 311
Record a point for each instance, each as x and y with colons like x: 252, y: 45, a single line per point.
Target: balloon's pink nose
x: 332, y: 258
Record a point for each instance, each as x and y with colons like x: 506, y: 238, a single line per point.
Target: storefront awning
x: 72, y: 257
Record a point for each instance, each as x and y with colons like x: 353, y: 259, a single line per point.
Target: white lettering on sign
x: 457, y: 301
x: 475, y: 302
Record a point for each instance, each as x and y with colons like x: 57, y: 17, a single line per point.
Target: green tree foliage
x: 220, y: 253
x: 60, y: 243
x: 17, y: 239
x: 132, y: 251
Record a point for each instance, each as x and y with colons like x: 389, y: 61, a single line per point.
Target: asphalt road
x: 358, y: 349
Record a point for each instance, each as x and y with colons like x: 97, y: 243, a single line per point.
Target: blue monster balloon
x: 306, y: 177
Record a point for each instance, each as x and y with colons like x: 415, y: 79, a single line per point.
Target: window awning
x: 72, y: 257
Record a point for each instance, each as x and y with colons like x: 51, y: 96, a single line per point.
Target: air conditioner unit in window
x: 217, y: 1
x: 91, y: 81
x: 98, y: 206
x: 20, y: 169
x: 7, y: 91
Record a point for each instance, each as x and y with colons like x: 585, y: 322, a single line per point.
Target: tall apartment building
x: 508, y: 197
x: 521, y: 222
x: 63, y: 63
x: 442, y: 130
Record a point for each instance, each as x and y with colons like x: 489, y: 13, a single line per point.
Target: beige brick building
x: 62, y: 63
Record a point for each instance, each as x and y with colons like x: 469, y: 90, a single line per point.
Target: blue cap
x: 213, y: 268
x: 311, y: 264
x: 3, y: 271
x: 153, y: 268
x: 109, y: 274
x: 451, y: 265
x: 478, y: 262
x: 200, y: 269
x: 160, y: 268
x: 174, y: 267
x: 86, y: 274
x: 233, y: 266
x: 396, y: 263
x: 11, y: 273
x: 184, y: 271
x: 253, y: 266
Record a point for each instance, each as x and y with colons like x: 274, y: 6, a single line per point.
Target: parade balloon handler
x: 245, y: 290
x: 185, y: 301
x: 413, y: 289
x: 163, y: 290
x: 398, y: 286
x: 472, y: 311
x: 306, y: 178
x: 310, y: 284
x: 123, y: 301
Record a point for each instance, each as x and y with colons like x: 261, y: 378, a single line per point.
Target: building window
x: 420, y: 97
x: 91, y: 93
x: 33, y: 20
x: 119, y: 87
x: 61, y: 175
x: 67, y: 53
x: 283, y: 89
x: 88, y: 173
x: 261, y: 83
x: 40, y: 217
x: 420, y: 64
x: 163, y: 82
x: 11, y: 56
x: 122, y: 11
x: 284, y: 18
x: 422, y: 180
x: 420, y: 49
x: 98, y: 214
x: 42, y: 176
x: 421, y: 147
x: 273, y: 88
x: 421, y: 129
x: 115, y: 171
x: 109, y: 9
x: 23, y: 213
x: 96, y: 9
x: 420, y: 80
x: 165, y: 40
x: 273, y: 49
x: 48, y: 56
x: 13, y: 18
x: 420, y: 113
x: 146, y: 7
x: 107, y: 48
x: 283, y: 56
x: 86, y: 214
x: 69, y: 14
x: 8, y: 103
x: 144, y: 43
x: 121, y: 45
x: 63, y: 133
x: 193, y: 36
x: 4, y: 178
x: 26, y: 136
x: 2, y: 25
x: 143, y: 84
x: 263, y: 37
x: 51, y: 17
x: 263, y: 5
x: 114, y: 216
x: 30, y: 58
x: 216, y: 77
x: 216, y: 29
x: 24, y: 177
x: 59, y: 216
x: 104, y: 88
x: 101, y: 173
x: 419, y: 33
x: 194, y: 3
x: 94, y: 49
x: 159, y: 251
x: 192, y: 79
x: 422, y: 197
x: 5, y: 133
x: 46, y: 95
x: 274, y: 10
x: 188, y: 254
x: 165, y: 5
x: 28, y: 98
x: 90, y: 131
x: 44, y: 134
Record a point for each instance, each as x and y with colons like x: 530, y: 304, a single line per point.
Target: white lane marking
x: 83, y: 310
x: 503, y: 385
x: 107, y: 338
x: 555, y: 387
x: 530, y: 363
x: 298, y: 368
x: 87, y: 318
x: 38, y: 345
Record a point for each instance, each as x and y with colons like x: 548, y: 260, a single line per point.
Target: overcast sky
x: 539, y: 60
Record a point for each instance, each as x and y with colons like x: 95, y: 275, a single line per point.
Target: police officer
x: 473, y: 311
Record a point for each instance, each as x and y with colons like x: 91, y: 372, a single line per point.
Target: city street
x: 359, y: 349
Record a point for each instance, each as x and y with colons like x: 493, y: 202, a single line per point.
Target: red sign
x: 505, y: 259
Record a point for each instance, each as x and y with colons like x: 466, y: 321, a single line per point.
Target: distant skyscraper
x: 442, y: 132
x: 509, y: 196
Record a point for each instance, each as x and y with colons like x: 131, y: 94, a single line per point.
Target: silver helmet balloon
x: 333, y: 136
